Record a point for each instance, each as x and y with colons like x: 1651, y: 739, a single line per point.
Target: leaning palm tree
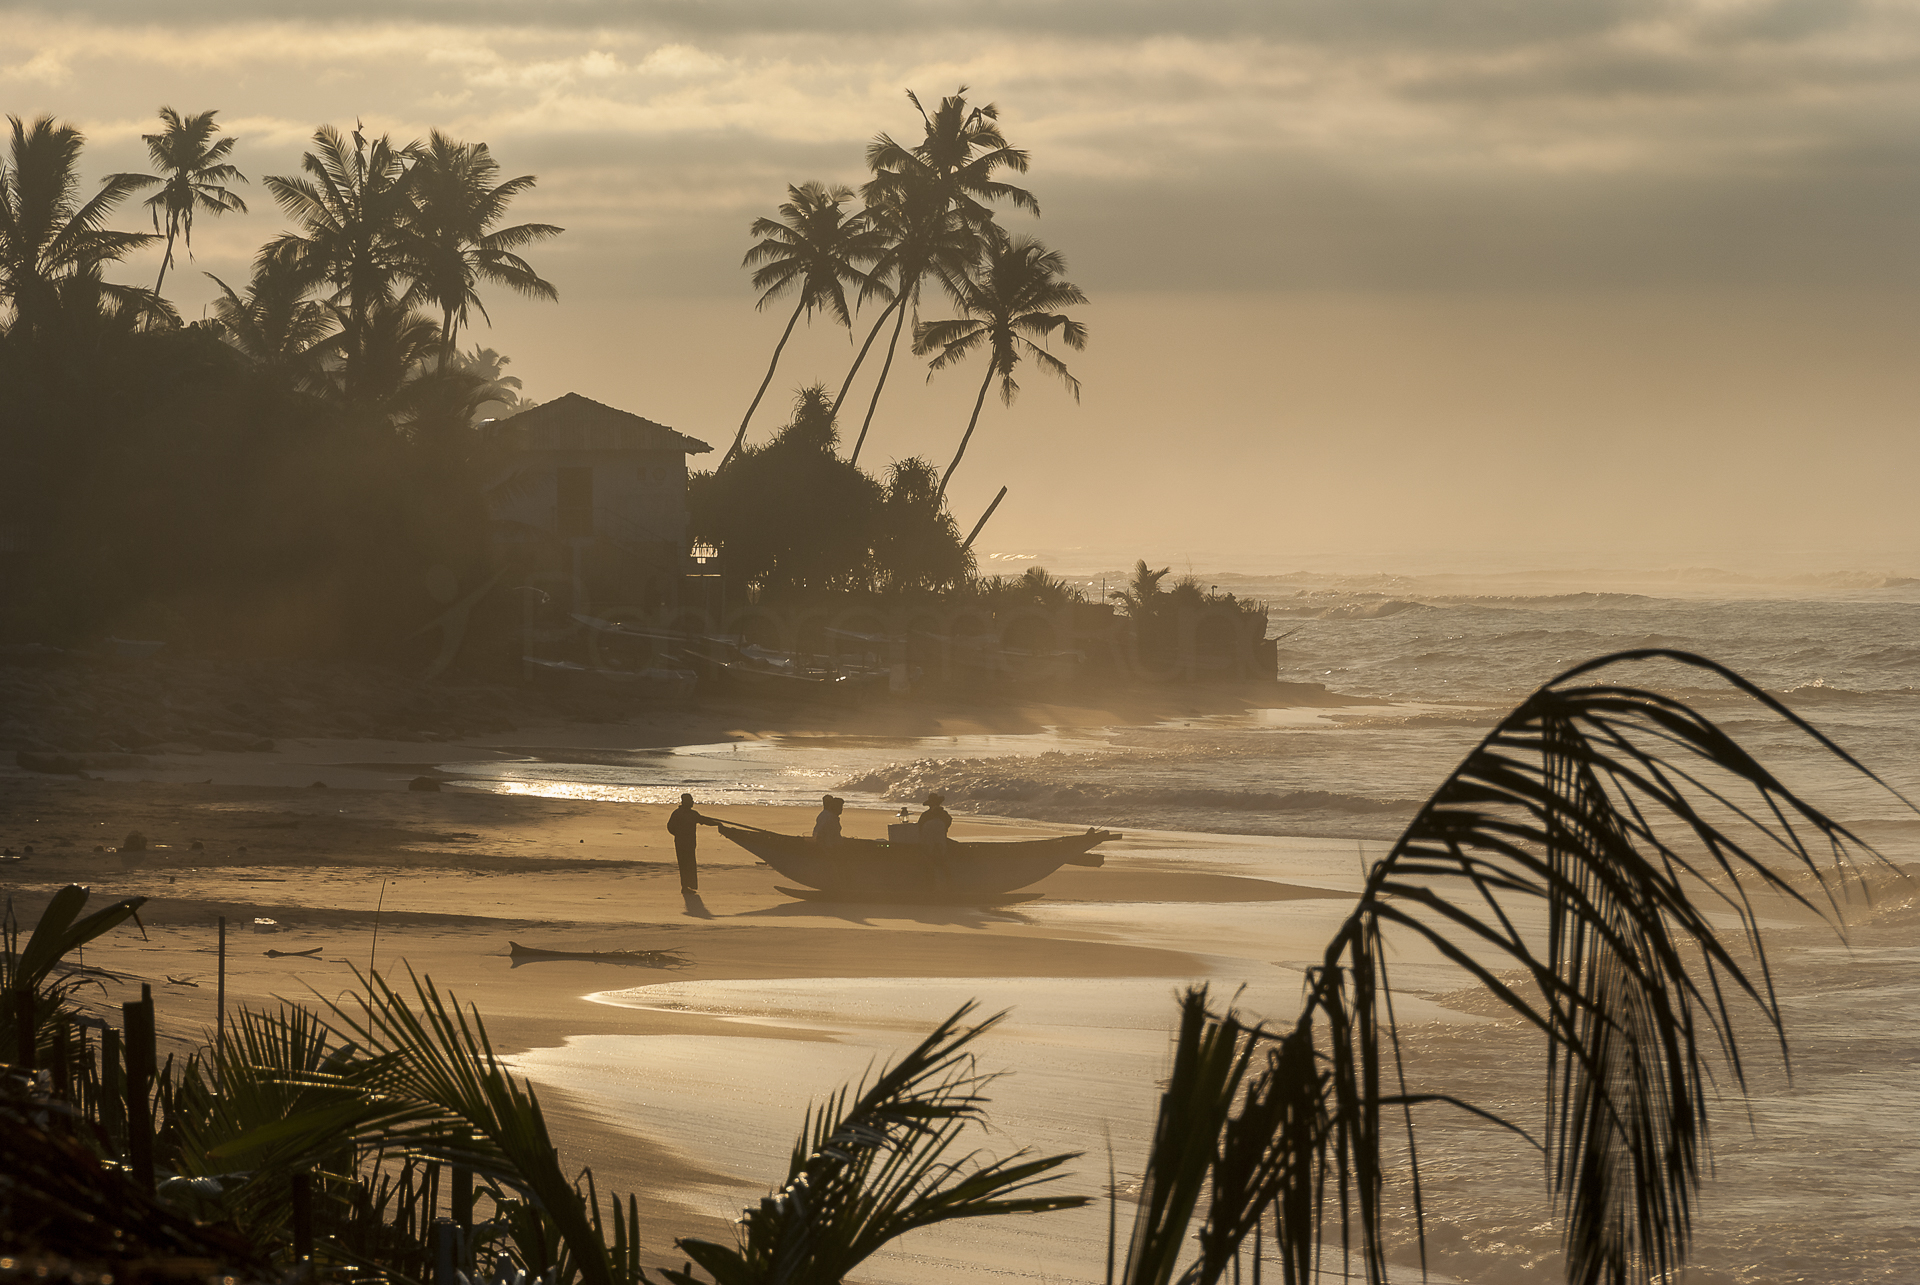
x: 1008, y: 303
x: 932, y: 198
x: 458, y: 201
x: 1584, y: 842
x: 53, y: 245
x: 354, y: 208
x: 810, y: 249
x: 192, y: 173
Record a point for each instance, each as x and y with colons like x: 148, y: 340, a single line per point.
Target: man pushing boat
x: 683, y: 823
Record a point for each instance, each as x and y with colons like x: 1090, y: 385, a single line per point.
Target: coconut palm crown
x: 458, y: 201
x: 933, y: 200
x: 192, y: 171
x: 355, y: 215
x: 1012, y: 300
x: 810, y: 249
x: 53, y: 245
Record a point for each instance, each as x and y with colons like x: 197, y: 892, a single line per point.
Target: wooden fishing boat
x: 873, y: 870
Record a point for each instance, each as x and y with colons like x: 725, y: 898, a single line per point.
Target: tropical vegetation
x: 283, y: 472
x: 1578, y: 866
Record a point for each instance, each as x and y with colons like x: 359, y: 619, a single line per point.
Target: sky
x: 1371, y: 282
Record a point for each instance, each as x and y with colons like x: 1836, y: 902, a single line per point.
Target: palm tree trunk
x: 863, y: 351
x: 978, y: 402
x: 446, y: 339
x: 891, y: 345
x: 166, y: 261
x: 741, y: 436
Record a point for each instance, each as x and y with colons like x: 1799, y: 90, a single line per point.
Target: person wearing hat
x: 935, y: 821
x: 826, y: 826
x: 684, y: 825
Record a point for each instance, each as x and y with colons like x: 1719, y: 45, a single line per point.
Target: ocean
x: 1815, y: 1172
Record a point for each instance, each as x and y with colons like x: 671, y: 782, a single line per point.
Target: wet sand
x: 375, y: 875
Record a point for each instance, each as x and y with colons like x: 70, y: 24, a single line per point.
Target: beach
x: 377, y: 875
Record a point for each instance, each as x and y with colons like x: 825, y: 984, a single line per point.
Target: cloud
x: 1386, y: 143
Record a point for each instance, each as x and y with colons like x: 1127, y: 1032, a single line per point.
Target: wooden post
x: 302, y: 1219
x: 463, y: 1211
x: 62, y: 1059
x: 141, y: 1058
x: 446, y: 1241
x: 113, y: 1091
x: 24, y: 1032
x: 220, y: 1018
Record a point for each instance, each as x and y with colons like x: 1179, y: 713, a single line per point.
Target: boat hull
x: 870, y: 870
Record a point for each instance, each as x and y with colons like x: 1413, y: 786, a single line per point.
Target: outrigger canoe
x: 873, y: 870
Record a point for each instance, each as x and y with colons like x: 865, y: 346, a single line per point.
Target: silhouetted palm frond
x: 439, y: 1056
x: 870, y: 1166
x: 1578, y: 843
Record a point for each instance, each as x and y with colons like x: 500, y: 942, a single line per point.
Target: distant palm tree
x: 192, y: 167
x: 932, y: 198
x: 280, y: 329
x: 813, y: 247
x: 1141, y: 591
x: 356, y: 231
x: 458, y: 202
x: 1008, y: 303
x: 53, y: 245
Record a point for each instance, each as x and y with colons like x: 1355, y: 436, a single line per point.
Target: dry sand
x: 375, y: 875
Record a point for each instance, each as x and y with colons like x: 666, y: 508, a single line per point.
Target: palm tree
x: 932, y: 198
x: 458, y: 202
x: 53, y: 245
x: 192, y: 167
x: 356, y: 231
x: 1612, y: 810
x: 1008, y: 303
x: 812, y: 247
x: 276, y: 325
x: 1141, y: 591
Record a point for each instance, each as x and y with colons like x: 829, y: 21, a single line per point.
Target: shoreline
x: 451, y: 876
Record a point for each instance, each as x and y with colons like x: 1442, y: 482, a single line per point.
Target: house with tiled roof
x: 591, y: 502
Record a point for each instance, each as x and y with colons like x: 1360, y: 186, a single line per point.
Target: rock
x: 424, y: 783
x: 134, y: 842
x: 318, y: 785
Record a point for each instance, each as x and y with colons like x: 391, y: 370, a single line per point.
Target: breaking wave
x: 1055, y: 787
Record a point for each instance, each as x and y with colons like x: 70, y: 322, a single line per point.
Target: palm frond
x: 1573, y: 844
x: 440, y: 1055
x: 870, y: 1166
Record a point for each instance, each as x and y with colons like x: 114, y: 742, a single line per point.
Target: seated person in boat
x: 935, y: 821
x: 826, y: 826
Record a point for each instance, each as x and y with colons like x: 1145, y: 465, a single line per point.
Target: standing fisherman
x: 684, y: 824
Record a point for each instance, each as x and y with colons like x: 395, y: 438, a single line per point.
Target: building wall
x: 627, y: 553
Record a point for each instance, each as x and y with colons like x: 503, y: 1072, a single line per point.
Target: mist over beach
x: 699, y: 645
